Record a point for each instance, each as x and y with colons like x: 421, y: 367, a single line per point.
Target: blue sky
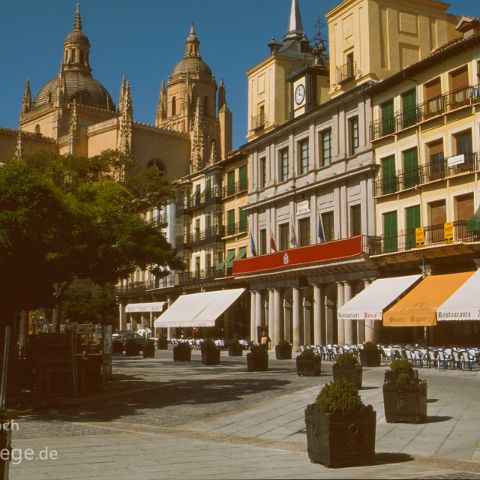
x: 144, y: 39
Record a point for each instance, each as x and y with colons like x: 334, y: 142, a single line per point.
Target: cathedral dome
x: 192, y: 66
x: 79, y: 86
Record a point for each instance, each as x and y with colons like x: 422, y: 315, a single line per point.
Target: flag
x: 321, y: 232
x: 253, y: 248
x: 293, y: 237
x: 273, y: 245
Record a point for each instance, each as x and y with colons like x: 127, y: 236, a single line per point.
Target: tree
x: 66, y: 218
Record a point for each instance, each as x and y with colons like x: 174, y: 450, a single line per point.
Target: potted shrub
x: 210, y: 352
x: 257, y: 359
x: 149, y: 349
x: 162, y: 343
x: 182, y: 352
x: 404, y: 394
x: 235, y: 348
x: 370, y: 355
x: 283, y: 351
x: 309, y: 364
x: 340, y: 428
x: 5, y: 443
x: 346, y: 366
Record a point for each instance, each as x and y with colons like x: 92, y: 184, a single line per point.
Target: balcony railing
x: 259, y: 122
x: 235, y: 188
x: 346, y: 72
x: 203, y: 199
x: 184, y: 278
x: 433, y: 107
x: 211, y: 234
x: 236, y: 228
x: 433, y: 235
x: 140, y: 287
x: 436, y: 170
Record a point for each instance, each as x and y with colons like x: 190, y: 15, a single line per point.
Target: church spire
x: 76, y: 47
x: 27, y: 98
x: 192, y: 44
x: 162, y: 104
x: 221, y: 95
x: 126, y: 118
x: 77, y: 21
x: 295, y: 26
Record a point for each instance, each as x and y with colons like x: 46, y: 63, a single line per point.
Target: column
x: 296, y: 319
x: 329, y: 319
x: 347, y: 293
x: 253, y: 325
x: 361, y: 328
x: 287, y: 320
x: 258, y: 314
x: 307, y: 322
x: 340, y: 323
x: 271, y: 316
x: 122, y: 317
x: 277, y: 318
x: 318, y: 315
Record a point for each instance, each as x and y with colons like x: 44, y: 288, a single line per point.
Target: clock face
x: 299, y: 94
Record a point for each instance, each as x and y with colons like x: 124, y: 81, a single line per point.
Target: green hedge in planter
x: 210, y: 352
x: 162, y: 343
x: 283, y: 351
x: 235, y: 348
x: 340, y: 429
x: 370, y: 355
x: 149, y: 349
x: 257, y: 359
x: 308, y: 364
x: 346, y: 366
x: 182, y: 352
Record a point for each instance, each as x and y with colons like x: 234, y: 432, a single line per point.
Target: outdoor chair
x: 431, y: 359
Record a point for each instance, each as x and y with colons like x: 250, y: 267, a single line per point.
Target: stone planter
x: 341, y: 438
x: 181, y: 355
x: 149, y: 349
x: 235, y: 350
x: 352, y: 374
x: 132, y: 349
x: 283, y: 352
x: 309, y: 367
x: 257, y: 362
x: 211, y: 357
x: 370, y: 358
x: 162, y: 344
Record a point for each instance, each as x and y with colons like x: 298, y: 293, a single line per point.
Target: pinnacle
x: 77, y: 22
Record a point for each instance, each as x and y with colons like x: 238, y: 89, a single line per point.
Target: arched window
x: 205, y: 105
x: 81, y: 56
x: 174, y: 106
x: 158, y: 164
x: 37, y: 129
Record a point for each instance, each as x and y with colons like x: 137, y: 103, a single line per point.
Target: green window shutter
x: 412, y: 215
x: 230, y: 257
x: 231, y: 183
x: 243, y: 220
x: 410, y: 168
x: 388, y: 126
x: 390, y: 232
x: 389, y: 175
x: 409, y: 109
x: 242, y: 253
x: 242, y: 172
x: 230, y: 222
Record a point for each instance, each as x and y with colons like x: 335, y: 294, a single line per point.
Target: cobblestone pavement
x: 160, y: 419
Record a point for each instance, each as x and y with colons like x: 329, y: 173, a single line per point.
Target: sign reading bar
x: 448, y: 232
x: 420, y: 237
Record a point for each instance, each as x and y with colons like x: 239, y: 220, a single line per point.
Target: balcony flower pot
x: 370, y: 355
x: 210, y: 353
x: 308, y: 364
x: 347, y: 367
x: 235, y: 348
x: 404, y: 394
x: 257, y: 359
x: 182, y: 352
x: 283, y: 351
x: 162, y: 343
x: 149, y: 349
x: 132, y: 349
x: 340, y: 429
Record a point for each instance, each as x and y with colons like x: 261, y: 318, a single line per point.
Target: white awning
x: 198, y: 309
x: 464, y: 304
x: 144, y: 307
x: 370, y: 303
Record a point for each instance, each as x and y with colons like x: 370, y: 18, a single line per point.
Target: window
x: 197, y: 266
x: 197, y: 195
x: 328, y: 222
x: 388, y: 119
x: 243, y: 220
x: 412, y: 222
x: 208, y: 221
x: 390, y: 232
x: 231, y: 222
x: 208, y: 261
x: 263, y: 172
x: 326, y: 147
x: 208, y: 189
x: 197, y: 230
x: 438, y: 216
x: 304, y: 232
x: 350, y: 64
x: 263, y: 241
x: 283, y: 166
x: 389, y: 175
x: 464, y: 207
x: 283, y: 231
x: 463, y: 144
x: 436, y: 166
x: 354, y: 135
x: 231, y: 183
x: 303, y: 156
x: 355, y: 220
x: 37, y: 129
x: 174, y: 106
x: 460, y: 90
x: 242, y: 175
x: 435, y: 103
x: 409, y: 108
x: 410, y: 168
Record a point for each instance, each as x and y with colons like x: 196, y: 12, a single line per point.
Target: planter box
x: 309, y: 367
x: 283, y: 353
x: 352, y: 374
x: 405, y: 403
x: 211, y: 357
x: 235, y: 351
x: 149, y: 350
x: 162, y: 344
x: 181, y: 355
x: 370, y: 358
x: 5, y: 444
x: 132, y: 349
x: 340, y: 439
x: 257, y: 362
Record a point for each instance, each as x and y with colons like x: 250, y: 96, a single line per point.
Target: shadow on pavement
x: 387, y: 457
x: 432, y: 400
x: 436, y: 418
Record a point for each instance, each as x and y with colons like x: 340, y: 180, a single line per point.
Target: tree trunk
x: 58, y: 290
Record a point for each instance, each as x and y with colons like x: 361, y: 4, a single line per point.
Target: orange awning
x: 418, y: 308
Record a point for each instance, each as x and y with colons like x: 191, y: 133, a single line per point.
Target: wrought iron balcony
x: 346, y: 72
x: 212, y: 234
x: 259, y: 122
x: 236, y: 188
x: 185, y: 278
x: 236, y: 228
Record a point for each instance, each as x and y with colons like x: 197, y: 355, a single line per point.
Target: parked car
x: 120, y: 339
